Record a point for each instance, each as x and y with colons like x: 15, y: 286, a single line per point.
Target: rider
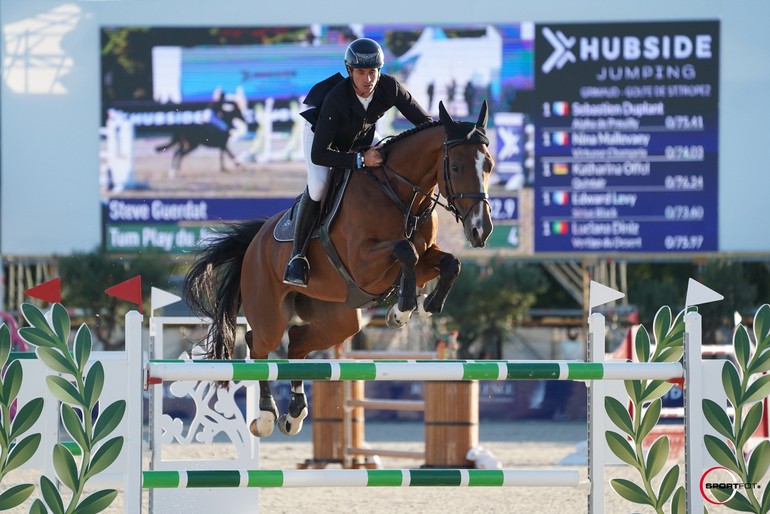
x: 340, y: 129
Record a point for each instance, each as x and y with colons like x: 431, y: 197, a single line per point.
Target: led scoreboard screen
x: 626, y: 139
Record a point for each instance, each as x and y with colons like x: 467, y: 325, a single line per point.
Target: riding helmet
x: 364, y: 53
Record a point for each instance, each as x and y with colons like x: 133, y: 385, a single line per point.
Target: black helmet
x: 364, y: 53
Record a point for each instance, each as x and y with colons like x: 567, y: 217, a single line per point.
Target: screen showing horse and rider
x: 201, y: 125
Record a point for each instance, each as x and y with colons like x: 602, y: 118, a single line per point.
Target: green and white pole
x: 402, y: 370
x: 182, y: 479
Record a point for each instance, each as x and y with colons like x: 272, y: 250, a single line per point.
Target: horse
x: 215, y: 134
x: 384, y: 234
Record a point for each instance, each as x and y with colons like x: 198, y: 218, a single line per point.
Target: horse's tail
x: 212, y: 286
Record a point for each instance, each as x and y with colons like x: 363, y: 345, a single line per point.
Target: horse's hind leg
x: 264, y: 424
x: 268, y: 412
x: 329, y: 325
x: 291, y: 422
x: 399, y: 314
x: 176, y: 159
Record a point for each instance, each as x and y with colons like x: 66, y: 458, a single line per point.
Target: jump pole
x: 362, y: 478
x: 395, y: 370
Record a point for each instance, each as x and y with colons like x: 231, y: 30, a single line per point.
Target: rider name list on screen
x: 627, y: 137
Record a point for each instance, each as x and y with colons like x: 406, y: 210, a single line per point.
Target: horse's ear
x: 444, y: 116
x: 483, y: 116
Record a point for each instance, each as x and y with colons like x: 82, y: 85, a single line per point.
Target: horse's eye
x: 455, y: 168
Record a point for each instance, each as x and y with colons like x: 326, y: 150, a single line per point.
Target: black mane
x: 403, y: 135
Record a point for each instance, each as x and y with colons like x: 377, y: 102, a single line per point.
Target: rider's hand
x: 373, y: 157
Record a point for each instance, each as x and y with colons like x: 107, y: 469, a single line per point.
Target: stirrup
x: 292, y: 279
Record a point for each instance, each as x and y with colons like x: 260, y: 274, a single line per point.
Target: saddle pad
x: 284, y: 229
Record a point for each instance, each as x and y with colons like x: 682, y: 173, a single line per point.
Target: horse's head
x: 229, y: 111
x: 467, y: 167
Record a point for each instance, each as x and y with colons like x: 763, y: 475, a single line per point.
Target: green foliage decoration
x: 78, y: 385
x: 636, y: 423
x: 745, y: 388
x: 488, y: 301
x: 15, y: 447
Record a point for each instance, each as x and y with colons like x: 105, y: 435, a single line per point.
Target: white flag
x: 697, y: 294
x: 599, y: 294
x: 161, y: 298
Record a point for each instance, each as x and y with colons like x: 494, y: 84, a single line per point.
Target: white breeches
x: 317, y: 176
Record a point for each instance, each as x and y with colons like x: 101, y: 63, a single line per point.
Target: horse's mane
x: 403, y: 135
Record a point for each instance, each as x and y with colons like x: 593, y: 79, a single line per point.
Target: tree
x: 743, y: 284
x: 653, y: 285
x: 85, y: 276
x: 487, y: 301
x: 730, y: 280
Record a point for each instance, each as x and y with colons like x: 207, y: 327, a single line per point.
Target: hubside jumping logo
x: 619, y: 49
x: 562, y: 50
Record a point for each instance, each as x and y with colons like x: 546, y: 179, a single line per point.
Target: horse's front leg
x: 263, y: 425
x: 399, y: 314
x: 222, y: 164
x: 448, y: 270
x: 291, y: 422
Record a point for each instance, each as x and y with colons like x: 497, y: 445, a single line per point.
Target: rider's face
x: 364, y: 80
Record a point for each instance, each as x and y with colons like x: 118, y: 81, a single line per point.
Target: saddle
x: 284, y: 233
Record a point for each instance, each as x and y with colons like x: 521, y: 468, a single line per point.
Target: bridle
x: 413, y: 221
x: 474, y: 137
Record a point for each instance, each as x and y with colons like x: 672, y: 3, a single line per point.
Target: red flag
x: 47, y: 291
x: 130, y: 290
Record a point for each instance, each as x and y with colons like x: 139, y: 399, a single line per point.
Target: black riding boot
x: 298, y: 268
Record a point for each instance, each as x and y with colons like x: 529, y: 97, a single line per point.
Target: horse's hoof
x: 263, y: 425
x: 291, y: 426
x: 396, y: 318
x: 420, y: 311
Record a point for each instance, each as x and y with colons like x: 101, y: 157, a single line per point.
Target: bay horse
x: 215, y: 133
x: 384, y: 234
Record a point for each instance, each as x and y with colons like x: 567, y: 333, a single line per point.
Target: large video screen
x: 203, y: 125
x: 604, y: 135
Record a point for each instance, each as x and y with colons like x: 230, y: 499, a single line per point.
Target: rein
x: 412, y: 221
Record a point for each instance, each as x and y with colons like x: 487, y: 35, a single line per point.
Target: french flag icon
x: 560, y: 138
x: 560, y: 197
x: 560, y: 109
